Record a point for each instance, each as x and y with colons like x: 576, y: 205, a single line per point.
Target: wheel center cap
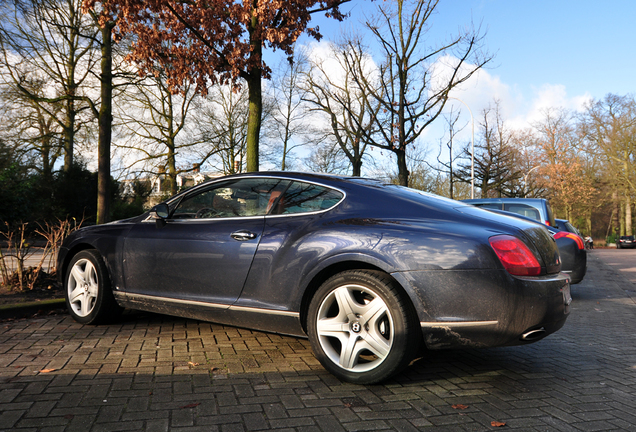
x: 356, y: 327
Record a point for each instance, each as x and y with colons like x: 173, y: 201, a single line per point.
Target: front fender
x: 106, y: 239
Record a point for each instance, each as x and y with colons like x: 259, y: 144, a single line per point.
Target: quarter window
x: 305, y: 198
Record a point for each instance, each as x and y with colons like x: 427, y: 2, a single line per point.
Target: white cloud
x: 519, y: 109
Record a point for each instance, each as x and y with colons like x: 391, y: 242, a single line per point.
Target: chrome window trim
x: 291, y: 179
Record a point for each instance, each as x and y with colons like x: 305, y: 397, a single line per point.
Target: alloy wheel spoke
x: 76, y: 295
x: 377, y: 344
x: 346, y: 302
x: 332, y: 327
x: 349, y: 353
x: 373, y: 310
x: 86, y: 305
x: 78, y: 274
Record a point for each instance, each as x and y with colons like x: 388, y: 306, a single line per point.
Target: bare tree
x: 289, y: 124
x: 330, y: 87
x: 223, y: 125
x: 496, y: 167
x: 156, y: 120
x: 52, y: 42
x: 327, y: 158
x: 32, y: 132
x: 445, y: 167
x: 413, y: 80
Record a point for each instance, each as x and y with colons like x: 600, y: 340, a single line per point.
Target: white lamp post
x: 472, y: 152
x: 525, y: 179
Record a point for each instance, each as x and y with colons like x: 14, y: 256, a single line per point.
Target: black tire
x: 361, y: 328
x: 87, y: 288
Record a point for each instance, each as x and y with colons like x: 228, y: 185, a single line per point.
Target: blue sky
x: 587, y: 46
x: 547, y: 53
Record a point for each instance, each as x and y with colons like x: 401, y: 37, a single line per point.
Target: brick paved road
x: 155, y: 373
x: 623, y: 260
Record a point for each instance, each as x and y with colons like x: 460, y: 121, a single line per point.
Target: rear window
x: 490, y: 206
x: 524, y: 210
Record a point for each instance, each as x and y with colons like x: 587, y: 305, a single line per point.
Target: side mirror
x: 160, y: 213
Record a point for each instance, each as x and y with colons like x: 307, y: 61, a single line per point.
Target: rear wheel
x: 361, y: 327
x: 89, y: 297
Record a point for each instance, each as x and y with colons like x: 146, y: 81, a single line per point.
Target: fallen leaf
x: 497, y: 424
x: 192, y: 405
x: 193, y: 364
x: 47, y: 370
x: 460, y: 406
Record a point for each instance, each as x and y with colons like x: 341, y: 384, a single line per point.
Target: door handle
x: 243, y: 235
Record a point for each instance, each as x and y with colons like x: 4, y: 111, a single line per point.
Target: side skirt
x: 268, y: 320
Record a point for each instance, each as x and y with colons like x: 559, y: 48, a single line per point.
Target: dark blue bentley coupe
x: 370, y: 272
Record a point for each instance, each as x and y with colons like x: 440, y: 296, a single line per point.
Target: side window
x: 305, y: 198
x: 238, y: 198
x: 524, y: 210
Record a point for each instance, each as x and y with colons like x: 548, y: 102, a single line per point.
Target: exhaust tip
x: 533, y: 335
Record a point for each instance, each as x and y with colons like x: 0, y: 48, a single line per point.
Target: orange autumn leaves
x: 211, y: 41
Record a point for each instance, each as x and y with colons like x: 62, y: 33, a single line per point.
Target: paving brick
x: 134, y: 375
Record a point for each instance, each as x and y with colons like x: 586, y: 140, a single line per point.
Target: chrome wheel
x: 362, y: 327
x: 83, y: 287
x: 355, y: 328
x: 89, y: 297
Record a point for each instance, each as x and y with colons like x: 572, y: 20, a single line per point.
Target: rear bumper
x: 489, y: 308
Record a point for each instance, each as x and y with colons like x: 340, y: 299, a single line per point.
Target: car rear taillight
x: 577, y: 239
x: 547, y: 223
x: 515, y: 256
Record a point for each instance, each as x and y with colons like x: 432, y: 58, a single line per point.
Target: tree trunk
x: 254, y: 75
x: 628, y: 214
x: 403, y: 171
x: 356, y: 167
x: 172, y: 167
x: 105, y: 127
x: 628, y: 198
x: 621, y: 218
x: 69, y: 136
x: 254, y: 121
x: 615, y: 213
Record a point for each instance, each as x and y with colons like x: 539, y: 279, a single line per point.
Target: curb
x: 25, y: 310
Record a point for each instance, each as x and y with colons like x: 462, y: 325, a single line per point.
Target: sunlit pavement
x: 623, y: 260
x: 156, y: 373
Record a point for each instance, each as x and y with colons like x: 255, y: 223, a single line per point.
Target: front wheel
x: 361, y: 327
x: 88, y: 293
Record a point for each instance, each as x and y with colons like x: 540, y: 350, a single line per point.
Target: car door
x: 204, y: 250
